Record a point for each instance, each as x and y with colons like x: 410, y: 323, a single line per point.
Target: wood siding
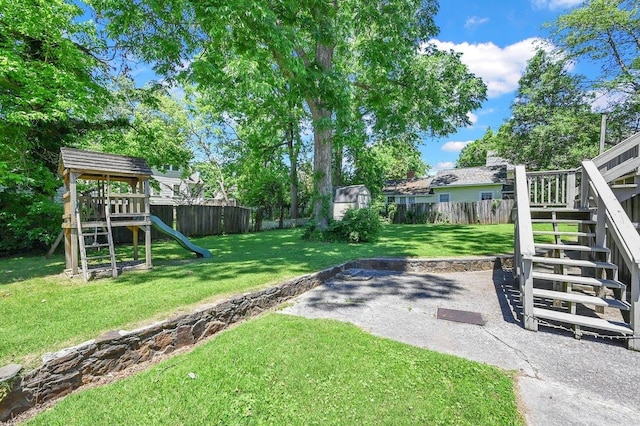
x: 479, y: 212
x: 193, y: 221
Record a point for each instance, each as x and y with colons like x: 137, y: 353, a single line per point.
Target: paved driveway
x: 562, y: 381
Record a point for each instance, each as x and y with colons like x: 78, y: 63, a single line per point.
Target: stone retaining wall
x: 68, y: 369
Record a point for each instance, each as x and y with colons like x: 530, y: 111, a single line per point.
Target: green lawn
x: 293, y: 371
x: 41, y: 310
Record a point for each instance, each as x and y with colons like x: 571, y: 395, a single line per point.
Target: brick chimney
x: 411, y: 174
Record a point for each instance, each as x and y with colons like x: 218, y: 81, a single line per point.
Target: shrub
x: 27, y: 221
x: 357, y: 226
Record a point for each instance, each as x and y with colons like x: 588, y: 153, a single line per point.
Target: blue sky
x: 496, y: 39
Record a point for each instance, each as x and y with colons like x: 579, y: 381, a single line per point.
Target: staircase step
x: 599, y: 323
x: 576, y: 279
x: 571, y: 247
x: 624, y: 186
x: 567, y: 233
x: 585, y: 299
x: 558, y: 210
x: 574, y: 262
x: 569, y: 221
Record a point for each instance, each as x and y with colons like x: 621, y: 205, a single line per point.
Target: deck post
x: 634, y: 342
x: 530, y: 322
x: 73, y: 204
x: 571, y: 190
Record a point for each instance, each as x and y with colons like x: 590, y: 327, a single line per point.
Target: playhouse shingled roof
x: 100, y: 163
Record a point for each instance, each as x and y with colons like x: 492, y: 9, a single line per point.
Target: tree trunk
x: 293, y: 157
x: 281, y: 219
x: 257, y: 225
x: 322, y: 144
x: 322, y: 154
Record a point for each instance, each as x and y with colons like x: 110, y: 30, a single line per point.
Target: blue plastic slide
x: 179, y: 237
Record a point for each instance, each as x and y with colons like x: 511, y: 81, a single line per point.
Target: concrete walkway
x: 562, y: 381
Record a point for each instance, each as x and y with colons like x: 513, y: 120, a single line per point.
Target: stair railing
x: 524, y: 247
x: 552, y: 188
x: 611, y: 217
x: 621, y: 160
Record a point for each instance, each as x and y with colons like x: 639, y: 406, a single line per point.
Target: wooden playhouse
x: 103, y: 192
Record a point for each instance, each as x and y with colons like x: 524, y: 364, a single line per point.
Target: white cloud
x: 454, y: 146
x: 475, y: 21
x: 473, y: 118
x: 444, y: 165
x: 499, y: 67
x: 554, y: 4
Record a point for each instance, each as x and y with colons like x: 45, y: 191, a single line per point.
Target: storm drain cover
x: 460, y: 316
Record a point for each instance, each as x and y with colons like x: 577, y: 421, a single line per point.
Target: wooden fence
x: 194, y: 221
x: 479, y: 212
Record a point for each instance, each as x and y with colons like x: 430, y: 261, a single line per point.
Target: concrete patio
x: 561, y: 380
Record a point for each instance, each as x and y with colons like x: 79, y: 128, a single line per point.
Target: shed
x: 350, y: 197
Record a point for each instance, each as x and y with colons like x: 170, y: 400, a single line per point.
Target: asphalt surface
x: 561, y: 380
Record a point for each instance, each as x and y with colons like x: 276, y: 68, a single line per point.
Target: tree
x: 387, y: 159
x: 331, y: 54
x: 53, y: 85
x: 552, y: 125
x: 607, y: 32
x: 53, y: 88
x: 475, y: 153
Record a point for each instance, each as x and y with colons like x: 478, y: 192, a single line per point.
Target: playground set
x: 102, y: 192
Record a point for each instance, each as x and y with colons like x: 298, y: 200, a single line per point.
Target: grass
x: 41, y: 310
x: 288, y: 370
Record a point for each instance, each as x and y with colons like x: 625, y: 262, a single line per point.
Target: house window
x: 411, y: 200
x: 488, y: 195
x: 176, y: 190
x: 443, y: 198
x: 402, y: 200
x: 391, y: 200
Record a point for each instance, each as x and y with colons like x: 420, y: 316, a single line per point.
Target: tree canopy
x: 607, y: 33
x: 552, y: 125
x: 370, y: 58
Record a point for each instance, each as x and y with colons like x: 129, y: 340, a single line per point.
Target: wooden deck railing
x: 121, y: 205
x: 524, y: 247
x: 555, y: 188
x: 612, y: 220
x: 621, y: 160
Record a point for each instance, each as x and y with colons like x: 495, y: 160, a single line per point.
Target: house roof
x: 415, y: 186
x: 470, y: 176
x: 495, y: 175
x: 101, y: 164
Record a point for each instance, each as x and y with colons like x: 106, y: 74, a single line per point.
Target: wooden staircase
x: 577, y: 253
x: 95, y: 241
x: 574, y: 281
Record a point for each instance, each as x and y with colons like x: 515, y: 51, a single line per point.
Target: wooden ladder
x: 90, y: 240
